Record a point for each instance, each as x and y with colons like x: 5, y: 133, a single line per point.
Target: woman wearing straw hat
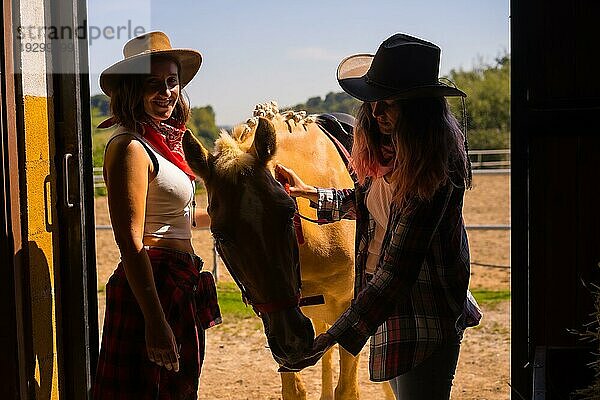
x: 412, y: 253
x: 158, y: 302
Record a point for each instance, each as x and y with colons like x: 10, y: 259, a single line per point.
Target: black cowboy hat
x: 404, y: 67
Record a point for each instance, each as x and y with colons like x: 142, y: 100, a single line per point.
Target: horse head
x: 251, y: 222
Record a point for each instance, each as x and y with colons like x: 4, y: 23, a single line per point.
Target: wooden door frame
x: 76, y: 298
x: 17, y: 354
x: 554, y: 133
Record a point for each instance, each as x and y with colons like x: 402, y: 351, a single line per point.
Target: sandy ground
x: 238, y: 365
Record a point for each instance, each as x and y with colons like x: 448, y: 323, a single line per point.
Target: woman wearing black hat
x: 158, y: 302
x: 412, y: 253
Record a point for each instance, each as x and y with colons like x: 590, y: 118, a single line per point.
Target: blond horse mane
x: 231, y: 158
x: 231, y: 150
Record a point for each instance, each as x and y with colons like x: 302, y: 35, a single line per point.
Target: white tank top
x: 379, y: 200
x: 170, y: 194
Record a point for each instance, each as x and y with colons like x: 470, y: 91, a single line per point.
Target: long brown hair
x: 427, y: 149
x: 127, y: 100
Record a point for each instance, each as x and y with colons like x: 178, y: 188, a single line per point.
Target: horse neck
x: 313, y: 156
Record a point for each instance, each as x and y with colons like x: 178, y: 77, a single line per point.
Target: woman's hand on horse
x: 297, y: 186
x: 322, y: 343
x: 161, y: 344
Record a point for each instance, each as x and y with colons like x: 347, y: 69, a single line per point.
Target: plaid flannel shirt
x: 415, y: 300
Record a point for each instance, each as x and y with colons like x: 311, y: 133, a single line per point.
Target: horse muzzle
x: 290, y: 335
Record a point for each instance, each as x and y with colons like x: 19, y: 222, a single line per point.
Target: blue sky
x: 256, y: 51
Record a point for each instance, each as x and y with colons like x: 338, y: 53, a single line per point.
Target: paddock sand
x: 239, y: 366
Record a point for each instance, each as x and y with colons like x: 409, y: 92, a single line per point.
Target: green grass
x: 230, y: 299
x: 491, y: 296
x: 230, y: 302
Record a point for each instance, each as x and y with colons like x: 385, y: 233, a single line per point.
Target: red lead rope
x: 297, y: 222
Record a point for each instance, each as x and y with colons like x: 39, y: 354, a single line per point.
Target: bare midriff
x: 184, y: 245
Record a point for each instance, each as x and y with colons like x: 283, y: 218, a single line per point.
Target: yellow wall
x: 40, y: 244
x: 39, y: 186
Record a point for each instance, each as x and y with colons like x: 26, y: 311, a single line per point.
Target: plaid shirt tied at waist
x: 415, y: 300
x: 199, y: 286
x: 189, y: 300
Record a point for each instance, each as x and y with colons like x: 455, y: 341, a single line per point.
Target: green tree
x: 101, y: 102
x: 202, y: 123
x: 333, y: 102
x: 487, y: 103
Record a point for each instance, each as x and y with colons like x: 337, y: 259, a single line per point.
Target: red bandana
x: 166, y: 137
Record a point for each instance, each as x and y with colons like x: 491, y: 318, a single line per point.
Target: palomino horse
x: 251, y: 221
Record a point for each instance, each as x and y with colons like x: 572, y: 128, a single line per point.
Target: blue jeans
x: 430, y: 380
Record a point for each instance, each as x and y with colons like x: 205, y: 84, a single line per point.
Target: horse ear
x: 196, y: 155
x: 265, y: 141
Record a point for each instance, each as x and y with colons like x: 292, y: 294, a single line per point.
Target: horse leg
x: 327, y: 376
x: 326, y: 365
x: 292, y: 387
x: 347, y: 387
x: 388, y: 393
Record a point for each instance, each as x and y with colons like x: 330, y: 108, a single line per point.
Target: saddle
x: 339, y: 128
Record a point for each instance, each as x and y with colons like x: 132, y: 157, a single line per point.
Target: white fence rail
x: 482, y: 161
x: 98, y: 178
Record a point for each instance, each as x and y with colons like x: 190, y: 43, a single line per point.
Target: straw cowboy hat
x: 403, y: 67
x: 137, y: 53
